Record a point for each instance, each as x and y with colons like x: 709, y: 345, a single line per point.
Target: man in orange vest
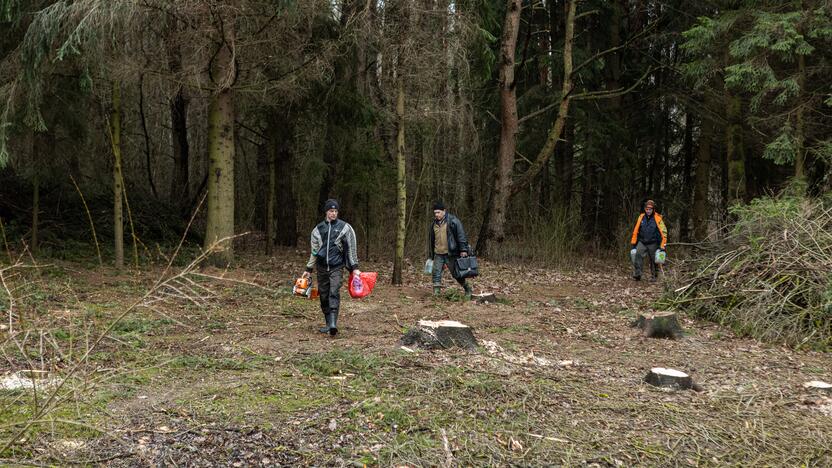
x: 649, y: 235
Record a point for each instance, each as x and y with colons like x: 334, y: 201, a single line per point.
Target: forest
x: 162, y: 164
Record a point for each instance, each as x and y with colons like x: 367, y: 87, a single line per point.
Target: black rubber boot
x: 332, y: 323
x: 325, y: 328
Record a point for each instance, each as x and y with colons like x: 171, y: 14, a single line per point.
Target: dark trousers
x: 439, y: 262
x: 648, y: 250
x: 329, y: 287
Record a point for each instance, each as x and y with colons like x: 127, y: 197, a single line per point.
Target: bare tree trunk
x: 33, y: 247
x: 271, y: 153
x: 401, y: 200
x: 180, y: 182
x: 735, y: 149
x: 687, y: 148
x: 567, y: 162
x: 501, y: 190
x: 118, y: 180
x: 285, y: 204
x: 147, y: 153
x: 35, y: 155
x: 221, y: 152
x: 702, y: 179
x: 607, y: 225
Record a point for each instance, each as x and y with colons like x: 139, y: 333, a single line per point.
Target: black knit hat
x: 438, y: 205
x: 331, y: 204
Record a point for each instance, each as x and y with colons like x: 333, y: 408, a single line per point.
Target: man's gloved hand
x: 306, y: 274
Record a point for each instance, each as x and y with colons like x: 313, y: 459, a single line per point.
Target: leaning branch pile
x: 771, y: 278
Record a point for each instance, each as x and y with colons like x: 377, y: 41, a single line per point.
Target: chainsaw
x: 303, y: 288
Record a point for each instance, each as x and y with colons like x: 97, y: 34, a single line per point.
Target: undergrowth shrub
x: 770, y: 278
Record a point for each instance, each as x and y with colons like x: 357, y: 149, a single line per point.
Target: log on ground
x: 441, y: 334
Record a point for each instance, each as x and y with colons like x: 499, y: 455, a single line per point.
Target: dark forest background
x: 544, y: 125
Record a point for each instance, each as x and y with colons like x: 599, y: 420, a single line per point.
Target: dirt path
x: 249, y: 381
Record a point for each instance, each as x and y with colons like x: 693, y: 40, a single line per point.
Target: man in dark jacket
x: 446, y: 243
x: 333, y: 248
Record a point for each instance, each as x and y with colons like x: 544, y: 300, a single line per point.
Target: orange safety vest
x: 659, y: 224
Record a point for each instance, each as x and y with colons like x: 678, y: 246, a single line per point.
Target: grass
x: 360, y: 400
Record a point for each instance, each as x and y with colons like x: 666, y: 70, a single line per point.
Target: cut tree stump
x: 819, y: 386
x: 484, y: 298
x: 671, y: 378
x: 440, y: 335
x: 659, y: 325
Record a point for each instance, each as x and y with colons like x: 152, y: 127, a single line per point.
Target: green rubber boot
x: 325, y: 328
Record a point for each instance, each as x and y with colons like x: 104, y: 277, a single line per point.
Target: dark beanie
x: 331, y: 204
x: 438, y: 205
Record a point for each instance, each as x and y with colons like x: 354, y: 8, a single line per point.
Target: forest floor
x: 245, y: 378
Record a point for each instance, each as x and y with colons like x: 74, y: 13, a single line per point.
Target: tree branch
x: 615, y: 92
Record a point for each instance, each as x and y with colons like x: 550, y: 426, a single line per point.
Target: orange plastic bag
x: 363, y: 284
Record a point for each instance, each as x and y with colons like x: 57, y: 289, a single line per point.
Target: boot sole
x: 333, y: 331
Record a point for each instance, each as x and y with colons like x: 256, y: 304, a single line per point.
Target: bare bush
x: 770, y: 278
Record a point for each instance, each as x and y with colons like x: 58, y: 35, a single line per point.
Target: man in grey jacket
x: 446, y: 243
x: 333, y: 248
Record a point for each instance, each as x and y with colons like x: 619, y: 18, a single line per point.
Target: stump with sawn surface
x: 671, y: 378
x: 441, y: 334
x: 484, y: 298
x: 660, y: 325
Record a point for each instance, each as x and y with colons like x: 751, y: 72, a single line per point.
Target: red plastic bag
x: 363, y: 284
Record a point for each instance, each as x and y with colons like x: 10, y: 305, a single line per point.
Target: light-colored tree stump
x: 440, y: 335
x: 671, y: 378
x: 484, y: 298
x: 660, y: 325
x: 819, y: 386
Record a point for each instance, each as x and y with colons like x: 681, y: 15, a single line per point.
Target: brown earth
x: 246, y: 379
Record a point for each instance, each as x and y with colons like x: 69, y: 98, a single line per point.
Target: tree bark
x: 607, y: 225
x: 37, y: 153
x: 687, y: 148
x: 147, y: 153
x: 271, y: 153
x: 180, y: 182
x: 735, y: 149
x: 221, y: 153
x: 33, y: 247
x: 118, y: 180
x: 501, y: 190
x: 401, y: 199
